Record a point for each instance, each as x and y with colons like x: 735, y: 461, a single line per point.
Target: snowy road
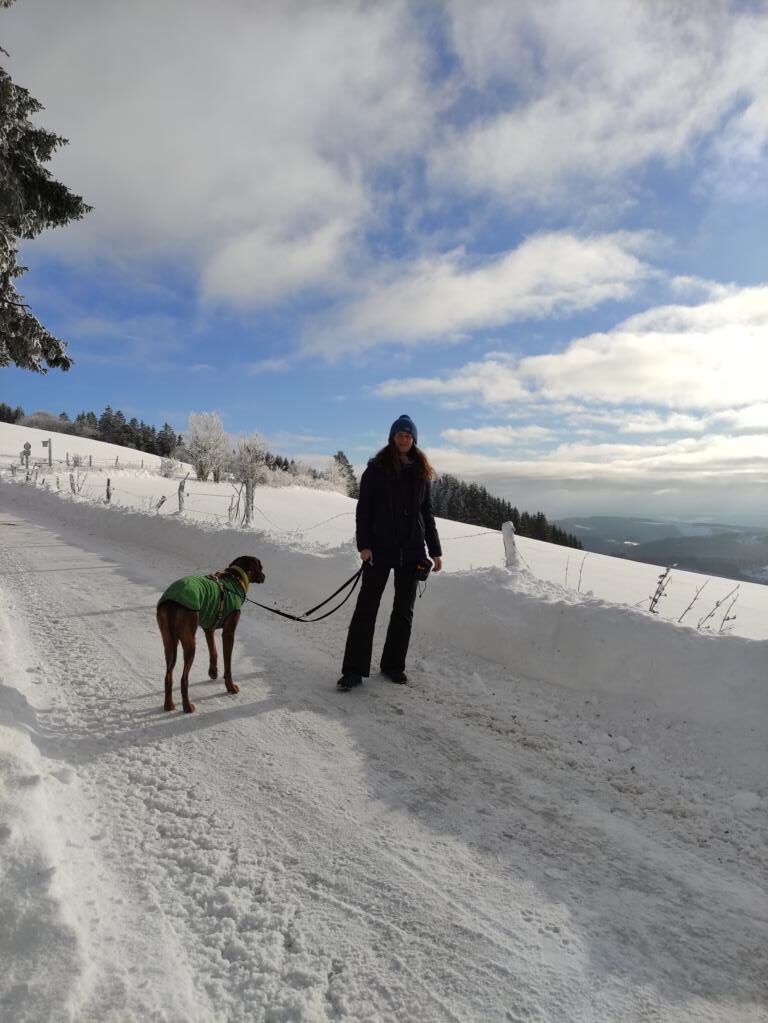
x: 474, y: 847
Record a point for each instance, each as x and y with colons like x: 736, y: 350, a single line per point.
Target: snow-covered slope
x: 95, y: 453
x: 562, y: 818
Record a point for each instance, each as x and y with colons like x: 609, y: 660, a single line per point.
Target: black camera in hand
x: 423, y: 569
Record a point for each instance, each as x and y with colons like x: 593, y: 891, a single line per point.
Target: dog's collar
x: 243, y: 576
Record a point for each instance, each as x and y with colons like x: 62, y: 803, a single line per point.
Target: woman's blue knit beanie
x: 404, y: 424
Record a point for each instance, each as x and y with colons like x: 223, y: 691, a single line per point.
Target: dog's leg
x: 213, y: 667
x: 187, y: 637
x: 227, y: 643
x: 170, y: 644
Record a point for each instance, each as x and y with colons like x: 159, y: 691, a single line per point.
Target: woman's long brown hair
x: 389, y: 458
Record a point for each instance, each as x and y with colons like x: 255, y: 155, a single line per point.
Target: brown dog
x: 213, y: 602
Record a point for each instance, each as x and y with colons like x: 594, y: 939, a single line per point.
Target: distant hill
x: 734, y: 552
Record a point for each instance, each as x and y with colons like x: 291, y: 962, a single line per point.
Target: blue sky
x: 541, y: 229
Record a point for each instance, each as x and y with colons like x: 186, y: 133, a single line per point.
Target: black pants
x: 357, y: 654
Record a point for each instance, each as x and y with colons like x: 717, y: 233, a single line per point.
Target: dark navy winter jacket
x: 394, y: 516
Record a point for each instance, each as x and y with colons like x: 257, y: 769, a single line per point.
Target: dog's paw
x: 189, y: 708
x: 232, y: 688
x: 213, y: 673
x: 169, y: 706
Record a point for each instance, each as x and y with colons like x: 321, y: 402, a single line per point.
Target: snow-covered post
x: 248, y: 501
x: 510, y: 550
x: 72, y: 483
x: 181, y: 494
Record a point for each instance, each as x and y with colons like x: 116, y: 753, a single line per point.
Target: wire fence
x: 76, y: 479
x: 114, y: 488
x: 75, y: 461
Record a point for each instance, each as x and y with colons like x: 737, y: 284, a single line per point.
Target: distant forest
x: 454, y: 499
x: 110, y: 426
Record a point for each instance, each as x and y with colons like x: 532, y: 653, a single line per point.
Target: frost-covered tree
x: 250, y: 459
x: 30, y: 202
x: 43, y: 420
x: 206, y: 443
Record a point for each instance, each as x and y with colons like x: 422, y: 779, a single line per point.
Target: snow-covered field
x: 562, y: 818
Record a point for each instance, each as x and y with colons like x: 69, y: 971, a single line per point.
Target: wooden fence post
x: 109, y: 489
x: 248, y: 501
x: 72, y: 483
x: 181, y: 493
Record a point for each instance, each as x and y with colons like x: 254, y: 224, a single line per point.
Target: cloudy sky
x: 539, y: 228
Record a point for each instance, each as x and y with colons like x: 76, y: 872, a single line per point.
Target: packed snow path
x: 471, y: 847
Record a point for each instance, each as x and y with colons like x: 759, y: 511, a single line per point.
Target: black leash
x: 305, y: 619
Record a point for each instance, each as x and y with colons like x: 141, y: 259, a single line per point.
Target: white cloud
x: 715, y: 457
x: 751, y: 417
x: 439, y: 297
x: 285, y: 440
x: 258, y: 267
x: 495, y: 436
x: 491, y: 381
x: 276, y: 365
x: 647, y: 422
x: 239, y: 144
x: 595, y: 91
x: 704, y: 358
x: 709, y: 356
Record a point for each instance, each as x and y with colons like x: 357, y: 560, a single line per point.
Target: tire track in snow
x: 150, y: 814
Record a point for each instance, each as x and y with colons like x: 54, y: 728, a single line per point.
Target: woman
x: 394, y: 523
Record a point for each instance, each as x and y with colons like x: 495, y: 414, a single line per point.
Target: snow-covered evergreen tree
x: 30, y: 202
x: 341, y: 472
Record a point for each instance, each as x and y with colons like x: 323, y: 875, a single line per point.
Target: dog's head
x: 251, y: 567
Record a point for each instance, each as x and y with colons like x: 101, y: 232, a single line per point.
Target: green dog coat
x: 213, y: 597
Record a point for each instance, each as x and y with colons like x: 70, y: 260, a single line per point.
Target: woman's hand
x: 366, y: 554
x: 437, y: 564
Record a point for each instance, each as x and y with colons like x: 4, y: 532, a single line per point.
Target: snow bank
x: 37, y: 923
x: 542, y: 631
